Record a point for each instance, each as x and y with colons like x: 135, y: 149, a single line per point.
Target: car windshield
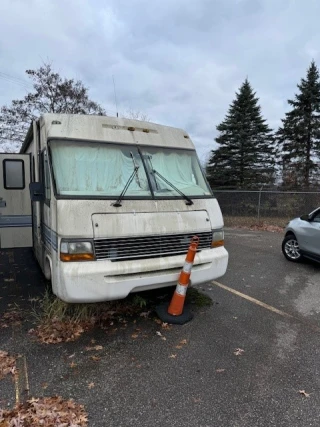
x: 103, y: 170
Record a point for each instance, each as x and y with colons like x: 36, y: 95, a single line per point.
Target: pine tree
x: 245, y: 156
x: 299, y: 136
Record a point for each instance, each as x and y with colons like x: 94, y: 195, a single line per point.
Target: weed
x: 198, y: 298
x: 139, y: 301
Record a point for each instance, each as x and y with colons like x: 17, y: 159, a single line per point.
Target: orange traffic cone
x: 175, y: 313
x: 179, y: 296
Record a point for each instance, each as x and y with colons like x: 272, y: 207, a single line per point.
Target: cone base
x: 162, y: 312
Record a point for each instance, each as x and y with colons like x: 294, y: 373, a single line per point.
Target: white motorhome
x: 115, y: 203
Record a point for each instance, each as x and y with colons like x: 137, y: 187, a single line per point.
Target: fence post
x: 259, y: 204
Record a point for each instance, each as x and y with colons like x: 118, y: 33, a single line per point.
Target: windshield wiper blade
x: 117, y: 203
x: 188, y: 200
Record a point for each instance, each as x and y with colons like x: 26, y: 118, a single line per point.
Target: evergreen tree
x: 245, y: 156
x: 299, y: 136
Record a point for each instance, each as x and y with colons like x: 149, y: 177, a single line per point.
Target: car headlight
x: 76, y: 251
x: 217, y: 238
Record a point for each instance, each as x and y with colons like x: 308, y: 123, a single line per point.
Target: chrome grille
x: 129, y: 248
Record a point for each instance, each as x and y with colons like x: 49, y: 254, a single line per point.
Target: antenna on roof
x: 115, y: 95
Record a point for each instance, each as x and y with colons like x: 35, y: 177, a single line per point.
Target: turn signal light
x: 76, y: 257
x: 76, y: 250
x: 217, y: 239
x: 217, y: 243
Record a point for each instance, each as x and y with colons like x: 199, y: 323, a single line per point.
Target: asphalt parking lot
x: 244, y: 361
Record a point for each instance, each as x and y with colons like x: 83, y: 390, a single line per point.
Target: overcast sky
x: 178, y: 61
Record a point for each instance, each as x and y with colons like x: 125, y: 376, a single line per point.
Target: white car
x: 302, y: 238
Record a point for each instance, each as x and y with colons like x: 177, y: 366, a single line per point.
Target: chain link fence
x: 240, y: 207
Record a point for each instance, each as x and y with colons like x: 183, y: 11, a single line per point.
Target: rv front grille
x: 156, y: 246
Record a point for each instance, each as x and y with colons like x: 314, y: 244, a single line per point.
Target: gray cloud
x: 179, y: 62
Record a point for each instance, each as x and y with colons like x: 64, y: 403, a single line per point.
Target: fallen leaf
x: 172, y: 356
x: 134, y: 336
x: 165, y: 326
x: 47, y: 411
x: 238, y: 352
x: 164, y: 338
x: 220, y: 370
x: 303, y: 393
x: 44, y: 385
x: 95, y: 358
x: 145, y: 314
x: 179, y: 346
x: 7, y: 364
x: 73, y: 364
x: 90, y: 386
x: 95, y: 348
x: 183, y: 341
x: 159, y: 333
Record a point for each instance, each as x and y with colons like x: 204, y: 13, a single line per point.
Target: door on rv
x: 15, y: 205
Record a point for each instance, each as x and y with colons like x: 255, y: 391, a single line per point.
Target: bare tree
x: 51, y: 94
x: 136, y: 115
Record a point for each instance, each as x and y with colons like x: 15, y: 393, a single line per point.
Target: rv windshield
x: 102, y: 169
x: 96, y: 169
x: 180, y: 168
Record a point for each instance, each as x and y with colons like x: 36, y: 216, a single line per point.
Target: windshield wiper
x: 188, y: 200
x: 117, y: 203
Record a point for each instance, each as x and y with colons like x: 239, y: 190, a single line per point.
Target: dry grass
x: 58, y: 321
x: 251, y: 222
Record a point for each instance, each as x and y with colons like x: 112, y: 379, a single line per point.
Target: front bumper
x: 80, y: 282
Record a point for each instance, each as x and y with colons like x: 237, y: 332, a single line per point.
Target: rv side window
x: 13, y: 174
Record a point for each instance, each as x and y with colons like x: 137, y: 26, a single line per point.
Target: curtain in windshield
x: 181, y: 168
x: 97, y: 169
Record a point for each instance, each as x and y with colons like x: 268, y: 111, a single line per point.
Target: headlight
x: 76, y: 251
x: 217, y: 238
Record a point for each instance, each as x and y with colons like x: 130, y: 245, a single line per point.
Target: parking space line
x: 266, y: 306
x: 16, y: 386
x: 26, y: 376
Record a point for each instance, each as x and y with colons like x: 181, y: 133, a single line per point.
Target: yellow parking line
x: 16, y: 386
x: 27, y: 387
x: 264, y: 305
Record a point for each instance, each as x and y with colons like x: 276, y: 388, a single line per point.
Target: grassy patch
x: 198, y: 298
x: 58, y: 321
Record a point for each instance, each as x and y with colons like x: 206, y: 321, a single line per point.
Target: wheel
x: 290, y: 248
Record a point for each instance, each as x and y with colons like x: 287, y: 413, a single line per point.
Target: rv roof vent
x: 55, y: 122
x: 131, y: 128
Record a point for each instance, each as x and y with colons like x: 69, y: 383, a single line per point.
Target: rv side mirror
x: 36, y: 191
